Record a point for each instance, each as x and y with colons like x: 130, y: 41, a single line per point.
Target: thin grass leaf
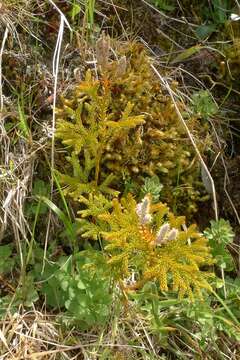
x: 23, y: 125
x: 68, y: 224
x: 186, y: 54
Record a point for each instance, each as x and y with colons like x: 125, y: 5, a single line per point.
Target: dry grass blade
x: 55, y: 65
x: 171, y: 93
x: 27, y: 334
x: 1, y: 55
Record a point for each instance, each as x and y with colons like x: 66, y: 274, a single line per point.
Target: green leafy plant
x: 158, y: 309
x: 152, y: 186
x: 84, y: 292
x: 218, y: 313
x: 214, y: 15
x: 203, y: 104
x: 220, y: 235
x: 6, y: 259
x: 202, y: 324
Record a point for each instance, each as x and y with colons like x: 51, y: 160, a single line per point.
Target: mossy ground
x: 195, y: 49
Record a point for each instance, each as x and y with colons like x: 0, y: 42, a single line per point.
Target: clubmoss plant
x: 146, y: 242
x: 122, y: 124
x: 93, y: 129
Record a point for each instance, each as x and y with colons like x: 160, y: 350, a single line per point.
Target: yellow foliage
x: 88, y: 127
x: 149, y: 241
x: 124, y: 125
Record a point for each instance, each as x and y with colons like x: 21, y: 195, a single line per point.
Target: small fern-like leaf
x: 175, y: 262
